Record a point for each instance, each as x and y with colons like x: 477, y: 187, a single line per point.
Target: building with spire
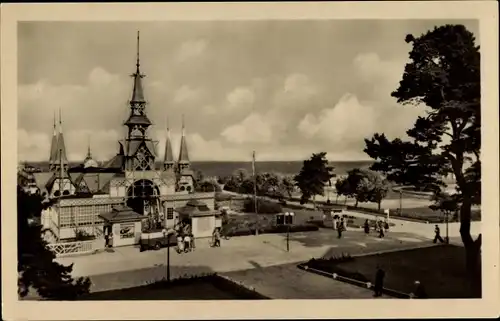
x: 130, y: 180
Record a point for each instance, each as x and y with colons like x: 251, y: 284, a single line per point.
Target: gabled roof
x: 121, y: 213
x: 138, y: 120
x: 132, y: 146
x: 195, y: 208
x: 115, y: 162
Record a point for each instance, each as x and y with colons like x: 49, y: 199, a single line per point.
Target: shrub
x: 330, y: 265
x: 263, y: 206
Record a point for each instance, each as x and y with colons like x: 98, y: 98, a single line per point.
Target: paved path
x: 128, y: 267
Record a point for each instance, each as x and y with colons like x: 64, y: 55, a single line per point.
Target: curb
x: 367, y: 285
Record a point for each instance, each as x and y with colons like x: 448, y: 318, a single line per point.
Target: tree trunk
x: 379, y: 204
x: 472, y: 247
x: 345, y: 200
x: 337, y: 199
x: 356, y: 205
x: 314, y: 202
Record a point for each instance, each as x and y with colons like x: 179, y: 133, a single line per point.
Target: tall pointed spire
x: 53, y: 145
x: 183, y: 154
x: 168, y: 160
x: 61, y: 148
x: 138, y: 93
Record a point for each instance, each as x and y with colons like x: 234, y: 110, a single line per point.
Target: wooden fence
x: 72, y: 248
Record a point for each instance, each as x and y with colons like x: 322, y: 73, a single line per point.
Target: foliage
x: 443, y: 76
x: 313, y: 176
x: 287, y: 186
x: 263, y: 206
x: 36, y: 266
x: 207, y: 186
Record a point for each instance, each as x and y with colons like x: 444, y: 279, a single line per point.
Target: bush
x: 329, y: 265
x: 272, y: 229
x: 263, y: 206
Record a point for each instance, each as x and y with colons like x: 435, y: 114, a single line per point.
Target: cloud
x: 209, y: 110
x: 35, y: 146
x: 186, y: 94
x: 32, y: 145
x: 253, y: 129
x: 191, y: 49
x: 240, y: 98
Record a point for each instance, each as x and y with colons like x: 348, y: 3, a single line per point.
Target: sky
x: 283, y: 88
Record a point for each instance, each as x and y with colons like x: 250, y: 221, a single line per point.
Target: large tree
x: 36, y: 266
x: 442, y: 76
x: 313, y: 176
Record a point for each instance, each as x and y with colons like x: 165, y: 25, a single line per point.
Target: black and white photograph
x: 177, y: 160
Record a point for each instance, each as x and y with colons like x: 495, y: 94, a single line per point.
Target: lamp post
x: 165, y: 233
x: 400, y: 202
x: 446, y: 214
x: 288, y: 223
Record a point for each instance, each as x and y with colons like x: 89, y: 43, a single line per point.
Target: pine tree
x: 36, y: 266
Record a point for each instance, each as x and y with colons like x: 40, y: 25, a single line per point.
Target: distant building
x: 130, y: 181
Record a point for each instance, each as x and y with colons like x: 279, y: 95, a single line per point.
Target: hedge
x: 274, y: 230
x: 263, y: 206
x: 330, y: 265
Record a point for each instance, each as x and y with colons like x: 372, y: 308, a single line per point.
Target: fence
x: 72, y: 248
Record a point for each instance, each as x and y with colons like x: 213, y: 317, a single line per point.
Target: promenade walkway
x: 127, y: 267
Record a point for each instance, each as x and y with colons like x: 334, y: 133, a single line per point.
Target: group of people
x: 381, y: 227
x: 185, y: 239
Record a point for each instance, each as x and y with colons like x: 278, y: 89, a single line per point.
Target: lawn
x: 210, y: 287
x: 440, y: 269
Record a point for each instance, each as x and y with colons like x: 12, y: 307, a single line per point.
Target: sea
x: 226, y: 168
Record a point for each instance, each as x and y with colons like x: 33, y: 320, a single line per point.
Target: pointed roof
x: 60, y: 153
x: 53, y: 144
x: 138, y: 92
x: 169, y: 155
x: 183, y: 154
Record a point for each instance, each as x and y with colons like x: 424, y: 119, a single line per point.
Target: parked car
x: 156, y: 240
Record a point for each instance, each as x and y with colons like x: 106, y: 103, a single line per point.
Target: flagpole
x: 255, y: 193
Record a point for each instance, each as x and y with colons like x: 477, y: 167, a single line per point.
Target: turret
x: 168, y: 159
x: 183, y: 161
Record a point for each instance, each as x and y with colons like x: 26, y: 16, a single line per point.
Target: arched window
x: 57, y: 193
x: 66, y: 192
x: 188, y: 188
x: 182, y: 188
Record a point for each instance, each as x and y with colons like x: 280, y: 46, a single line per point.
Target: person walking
x: 187, y: 243
x: 437, y: 237
x: 386, y: 225
x: 216, y: 237
x: 366, y: 227
x: 379, y: 281
x: 381, y: 230
x: 339, y: 229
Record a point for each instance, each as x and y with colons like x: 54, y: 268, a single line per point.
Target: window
x: 170, y: 213
x: 57, y: 193
x: 66, y: 192
x: 182, y: 188
x: 188, y: 188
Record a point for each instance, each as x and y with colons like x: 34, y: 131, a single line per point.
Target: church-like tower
x: 185, y: 174
x: 53, y: 147
x: 183, y: 162
x: 139, y: 148
x: 168, y: 159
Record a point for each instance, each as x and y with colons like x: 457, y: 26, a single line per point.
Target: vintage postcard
x: 250, y: 160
